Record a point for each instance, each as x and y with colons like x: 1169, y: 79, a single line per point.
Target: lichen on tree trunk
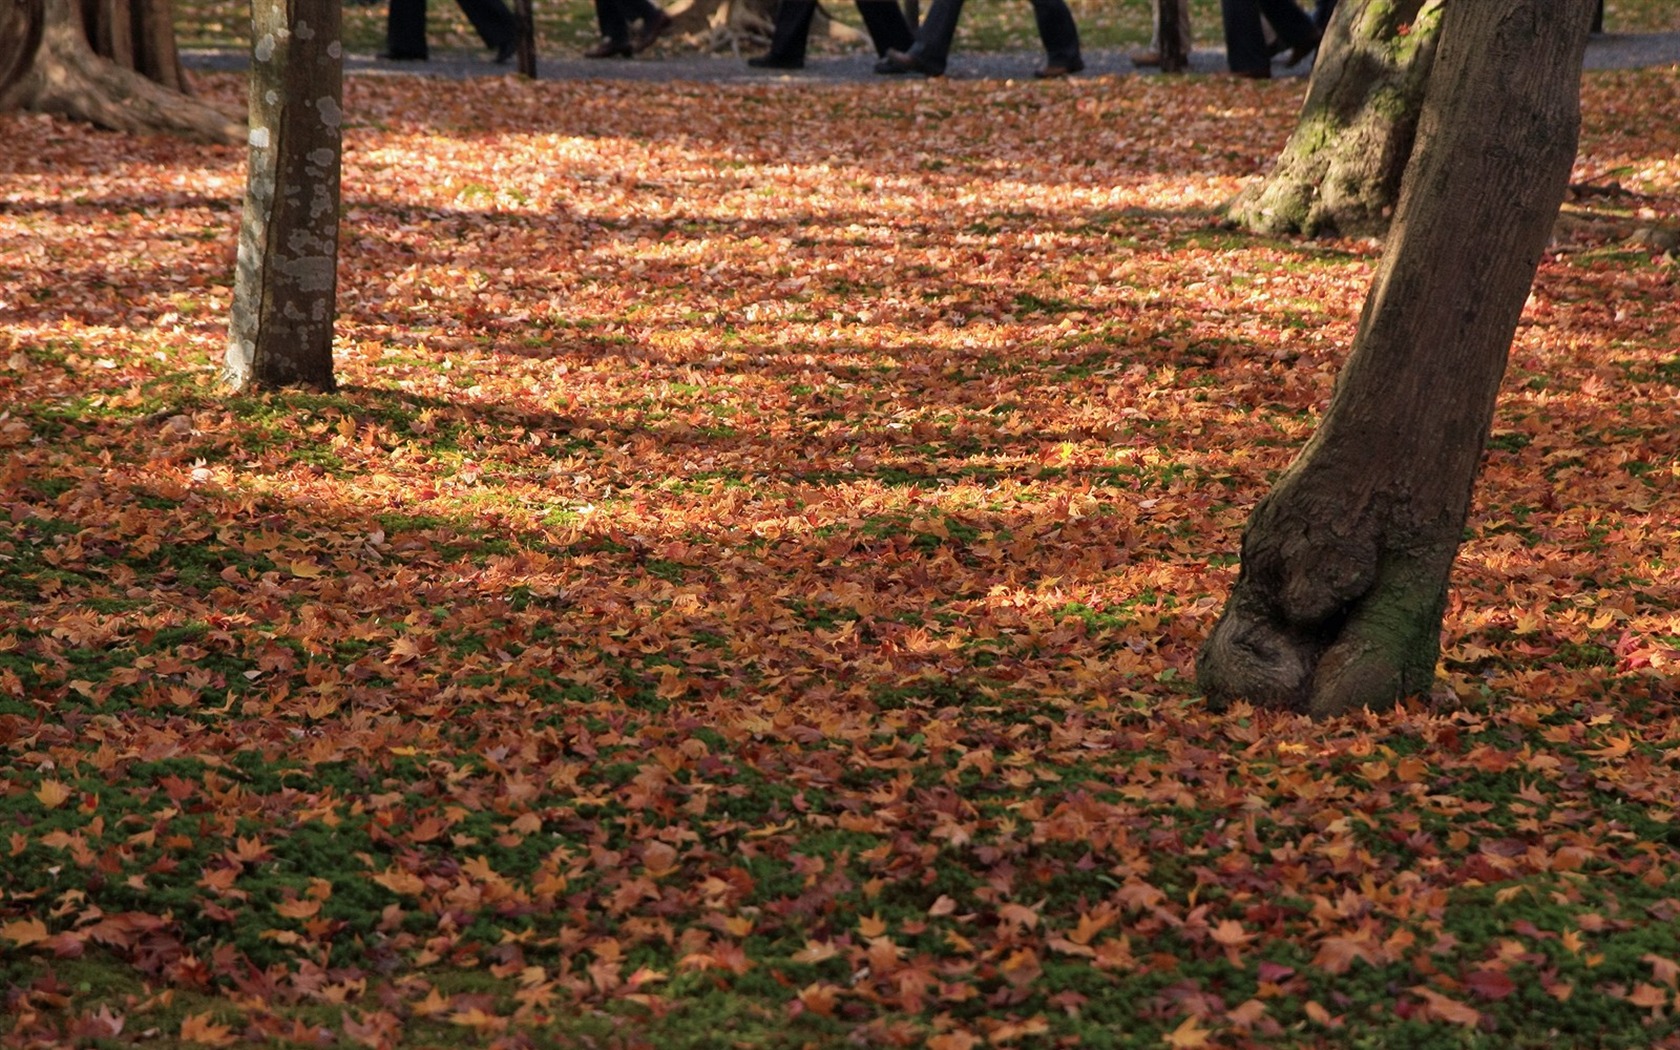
x: 67, y: 78
x: 1340, y: 171
x: 285, y: 287
x: 1345, y: 563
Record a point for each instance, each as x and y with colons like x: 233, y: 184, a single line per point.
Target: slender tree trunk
x: 1340, y: 171
x: 65, y: 76
x: 1175, y: 50
x: 1345, y: 563
x: 284, y: 295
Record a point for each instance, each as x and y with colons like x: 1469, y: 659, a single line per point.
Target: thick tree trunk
x: 285, y: 289
x: 21, y: 23
x: 1340, y: 171
x: 66, y: 77
x: 1345, y: 563
x: 137, y: 35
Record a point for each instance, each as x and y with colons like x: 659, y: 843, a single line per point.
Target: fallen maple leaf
x: 53, y: 793
x: 1443, y: 1008
x: 24, y: 932
x: 1188, y: 1035
x: 199, y: 1028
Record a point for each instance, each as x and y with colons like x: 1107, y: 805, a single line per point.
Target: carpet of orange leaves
x: 768, y: 530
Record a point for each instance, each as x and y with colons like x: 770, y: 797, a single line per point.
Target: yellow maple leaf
x: 1188, y: 1035
x: 53, y: 793
x: 25, y: 932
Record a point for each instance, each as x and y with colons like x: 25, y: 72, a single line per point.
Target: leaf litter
x: 752, y: 570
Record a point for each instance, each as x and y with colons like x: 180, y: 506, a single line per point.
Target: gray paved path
x: 1606, y: 51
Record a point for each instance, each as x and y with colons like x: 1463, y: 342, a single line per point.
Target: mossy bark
x: 1345, y: 563
x: 285, y: 287
x: 1340, y: 171
x: 66, y: 77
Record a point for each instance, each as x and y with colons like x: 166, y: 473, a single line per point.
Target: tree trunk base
x: 68, y: 79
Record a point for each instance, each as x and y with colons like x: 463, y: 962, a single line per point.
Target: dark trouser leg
x: 610, y: 16
x: 886, y: 24
x: 495, y: 23
x: 932, y: 48
x: 405, y: 29
x: 1293, y: 25
x: 1056, y: 29
x: 791, y: 32
x: 1322, y: 12
x: 1245, y: 41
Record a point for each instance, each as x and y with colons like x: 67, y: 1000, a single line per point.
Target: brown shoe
x: 1057, y: 70
x: 651, y: 29
x: 1145, y: 58
x: 609, y: 49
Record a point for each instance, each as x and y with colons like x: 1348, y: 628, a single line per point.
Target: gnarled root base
x: 69, y: 80
x: 1375, y: 650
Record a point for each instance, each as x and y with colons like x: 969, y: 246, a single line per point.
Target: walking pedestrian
x: 1151, y: 56
x: 614, y: 18
x: 884, y: 19
x: 1246, y: 50
x: 405, y: 29
x: 932, y: 48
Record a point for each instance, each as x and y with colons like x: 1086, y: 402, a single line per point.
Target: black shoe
x: 651, y: 30
x: 505, y: 52
x: 1056, y: 70
x: 610, y: 49
x: 403, y: 56
x: 898, y: 63
x: 772, y: 62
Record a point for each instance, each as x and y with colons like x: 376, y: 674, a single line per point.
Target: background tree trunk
x: 744, y: 25
x: 1175, y: 50
x: 21, y: 22
x: 65, y: 76
x: 1345, y: 562
x: 137, y: 35
x: 284, y: 293
x: 1340, y: 171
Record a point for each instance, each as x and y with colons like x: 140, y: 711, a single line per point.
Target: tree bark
x: 285, y: 287
x: 65, y: 77
x: 1340, y: 171
x: 21, y: 23
x: 1169, y: 31
x: 1345, y: 563
x: 137, y: 35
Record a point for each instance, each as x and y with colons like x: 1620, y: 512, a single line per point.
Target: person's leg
x: 887, y: 26
x: 1245, y: 42
x: 495, y: 23
x: 405, y: 30
x: 1060, y: 35
x: 788, y: 37
x: 1293, y: 25
x: 932, y: 49
x: 615, y: 30
x: 1322, y: 12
